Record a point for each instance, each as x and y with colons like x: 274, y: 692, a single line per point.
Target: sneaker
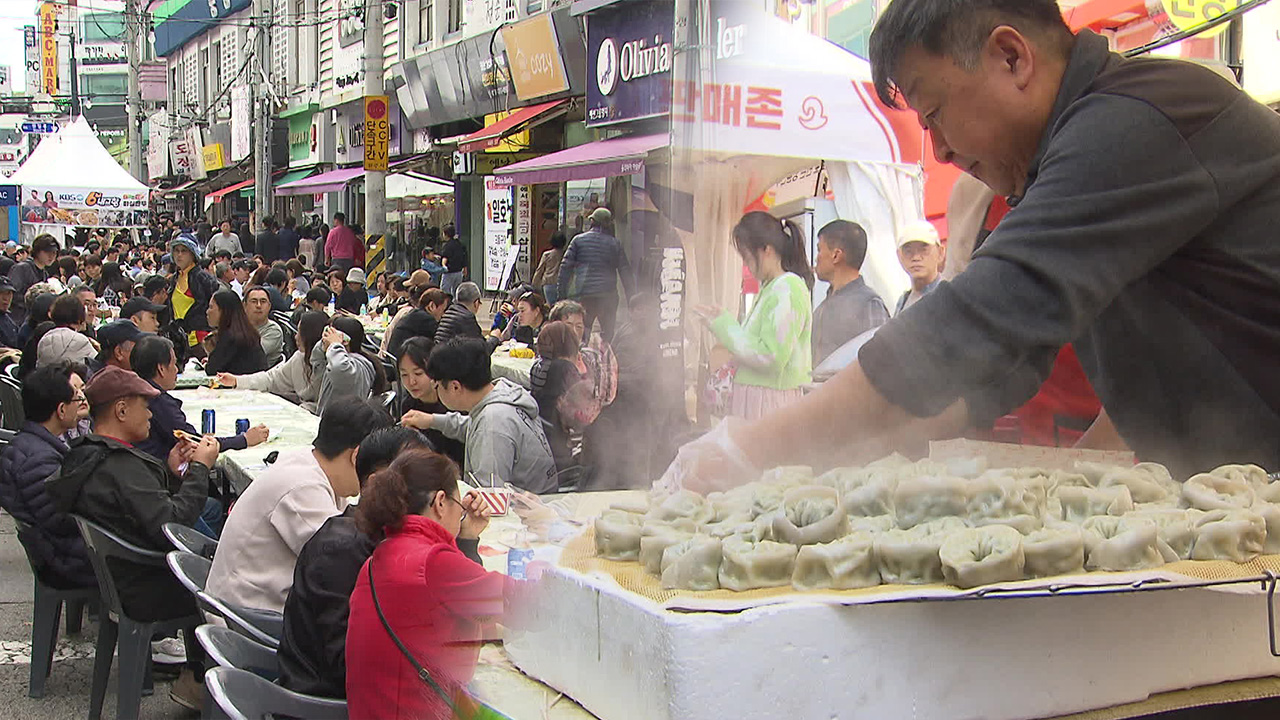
x: 168, y: 651
x: 187, y: 691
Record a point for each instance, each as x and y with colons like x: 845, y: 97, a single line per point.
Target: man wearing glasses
x: 53, y: 400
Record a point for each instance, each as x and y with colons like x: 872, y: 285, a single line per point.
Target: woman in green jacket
x: 771, y: 349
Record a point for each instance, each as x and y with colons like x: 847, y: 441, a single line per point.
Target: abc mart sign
x: 630, y: 59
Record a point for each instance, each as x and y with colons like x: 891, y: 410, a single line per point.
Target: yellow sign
x: 533, y: 58
x: 213, y: 157
x: 1188, y: 14
x: 49, y: 48
x: 377, y: 131
x: 515, y: 142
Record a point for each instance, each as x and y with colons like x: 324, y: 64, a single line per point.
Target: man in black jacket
x: 52, y: 406
x: 107, y: 480
x: 312, y: 654
x: 35, y: 269
x: 287, y: 240
x: 422, y: 321
x: 455, y: 260
x: 8, y: 326
x: 267, y: 242
x: 598, y: 260
x: 459, y: 319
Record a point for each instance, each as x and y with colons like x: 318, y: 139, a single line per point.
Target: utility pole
x: 132, y: 27
x: 263, y: 112
x: 75, y: 80
x: 375, y: 182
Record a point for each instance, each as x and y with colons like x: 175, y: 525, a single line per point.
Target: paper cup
x: 497, y: 499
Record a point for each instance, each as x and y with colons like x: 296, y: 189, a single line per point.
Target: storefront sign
x: 497, y: 231
x: 32, y: 57
x: 241, y: 123
x: 377, y: 131
x: 1171, y: 16
x: 158, y: 147
x: 351, y: 133
x: 485, y: 15
x: 49, y: 48
x: 533, y: 55
x: 629, y: 59
x: 1262, y: 53
x: 102, y: 58
x: 303, y: 139
x: 84, y: 207
x: 214, y: 158
x: 195, y: 140
x: 524, y: 229
x: 182, y: 154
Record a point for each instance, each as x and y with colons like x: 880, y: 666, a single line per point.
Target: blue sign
x: 41, y: 128
x: 629, y: 59
x: 190, y: 21
x: 8, y: 196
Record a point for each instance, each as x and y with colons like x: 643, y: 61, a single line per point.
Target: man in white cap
x: 922, y: 256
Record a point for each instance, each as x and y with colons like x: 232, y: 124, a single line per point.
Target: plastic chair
x: 190, y: 540
x: 115, y: 628
x: 193, y: 572
x: 228, y: 648
x: 262, y: 626
x: 290, y: 334
x: 44, y: 622
x: 245, y: 696
x: 6, y: 436
x: 11, y: 413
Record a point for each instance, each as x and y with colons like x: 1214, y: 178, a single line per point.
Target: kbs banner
x: 49, y: 48
x: 83, y: 207
x: 377, y: 131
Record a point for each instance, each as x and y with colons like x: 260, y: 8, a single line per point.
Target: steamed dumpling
x: 1081, y: 503
x: 1175, y: 528
x: 923, y: 499
x: 683, y: 505
x: 843, y: 564
x: 618, y: 535
x: 810, y: 515
x: 911, y: 556
x: 981, y: 556
x: 748, y: 564
x: 1236, y: 535
x: 1251, y: 475
x: 1144, y: 487
x: 994, y: 497
x: 1121, y: 543
x: 692, y: 565
x: 790, y: 475
x: 1055, y: 549
x: 1207, y: 491
x: 654, y: 541
x: 1270, y: 513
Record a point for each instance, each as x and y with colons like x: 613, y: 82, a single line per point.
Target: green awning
x: 285, y: 178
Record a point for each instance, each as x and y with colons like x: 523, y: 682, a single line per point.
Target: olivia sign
x: 630, y: 55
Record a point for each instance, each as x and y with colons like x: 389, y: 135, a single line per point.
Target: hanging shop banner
x: 524, y: 229
x: 83, y: 207
x: 214, y: 158
x: 158, y: 145
x: 377, y: 131
x: 629, y: 57
x: 195, y: 141
x: 497, y: 231
x: 32, y: 57
x: 182, y: 156
x: 533, y: 55
x: 241, y: 123
x: 101, y: 58
x: 49, y: 48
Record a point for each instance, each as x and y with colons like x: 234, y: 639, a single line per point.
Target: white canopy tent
x: 70, y: 180
x: 401, y: 185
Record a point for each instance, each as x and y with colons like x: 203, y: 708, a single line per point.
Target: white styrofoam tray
x: 623, y: 657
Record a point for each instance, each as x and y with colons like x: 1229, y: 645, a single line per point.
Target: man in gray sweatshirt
x: 502, y: 429
x: 1145, y: 194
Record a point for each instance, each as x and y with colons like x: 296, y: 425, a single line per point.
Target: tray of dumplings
x: 897, y: 530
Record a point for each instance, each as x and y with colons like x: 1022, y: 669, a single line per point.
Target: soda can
x: 242, y: 426
x: 208, y: 422
x: 517, y: 561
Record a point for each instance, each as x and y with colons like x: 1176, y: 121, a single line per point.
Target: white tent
x: 70, y: 180
x: 402, y: 185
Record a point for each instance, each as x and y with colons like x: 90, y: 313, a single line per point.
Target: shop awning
x: 604, y: 158
x: 217, y: 195
x: 178, y: 188
x: 400, y: 186
x: 325, y: 182
x: 285, y: 178
x: 518, y: 120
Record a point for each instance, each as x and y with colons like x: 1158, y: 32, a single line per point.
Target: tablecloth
x: 514, y: 369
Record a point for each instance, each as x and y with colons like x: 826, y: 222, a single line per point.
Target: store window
x: 102, y: 27
x: 581, y: 197
x: 426, y: 21
x: 105, y: 88
x: 455, y: 17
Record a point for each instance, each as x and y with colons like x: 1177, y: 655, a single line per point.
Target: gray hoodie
x: 341, y: 373
x: 504, y: 439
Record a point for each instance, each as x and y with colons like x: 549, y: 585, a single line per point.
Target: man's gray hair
x: 955, y: 29
x: 565, y: 309
x: 467, y: 293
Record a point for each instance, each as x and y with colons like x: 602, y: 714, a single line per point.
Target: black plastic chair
x: 193, y: 572
x: 190, y: 540
x: 49, y: 601
x: 228, y: 648
x: 117, y: 629
x: 11, y: 413
x: 245, y: 696
x: 290, y: 334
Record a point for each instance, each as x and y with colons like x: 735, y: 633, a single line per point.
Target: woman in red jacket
x: 433, y: 597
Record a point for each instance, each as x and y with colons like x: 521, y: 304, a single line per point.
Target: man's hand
x: 256, y: 435
x: 226, y: 380
x: 477, y: 517
x: 180, y: 455
x: 417, y: 419
x: 206, y: 452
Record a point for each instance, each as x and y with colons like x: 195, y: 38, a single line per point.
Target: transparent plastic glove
x: 710, y: 463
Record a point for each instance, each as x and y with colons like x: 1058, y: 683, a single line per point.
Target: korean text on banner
x: 84, y: 207
x: 377, y: 131
x: 497, y: 231
x: 49, y: 48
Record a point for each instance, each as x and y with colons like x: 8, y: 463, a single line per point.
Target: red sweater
x: 435, y: 599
